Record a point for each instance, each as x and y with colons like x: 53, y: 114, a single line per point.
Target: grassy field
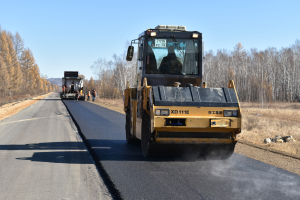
x: 273, y: 119
x: 257, y: 123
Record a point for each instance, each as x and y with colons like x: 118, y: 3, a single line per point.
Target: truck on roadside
x: 72, y: 86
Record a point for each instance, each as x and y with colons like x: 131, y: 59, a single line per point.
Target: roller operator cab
x: 170, y: 104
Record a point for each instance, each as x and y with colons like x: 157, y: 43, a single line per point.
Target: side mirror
x: 130, y: 53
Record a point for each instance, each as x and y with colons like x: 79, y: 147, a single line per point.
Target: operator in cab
x: 171, y: 64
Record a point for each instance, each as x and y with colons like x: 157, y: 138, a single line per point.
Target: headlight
x: 164, y: 112
x: 234, y: 113
x: 153, y: 34
x: 157, y: 112
x: 227, y: 113
x: 230, y: 113
x: 194, y: 35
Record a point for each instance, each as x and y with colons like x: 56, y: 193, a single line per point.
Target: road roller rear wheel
x: 129, y: 137
x: 146, y: 133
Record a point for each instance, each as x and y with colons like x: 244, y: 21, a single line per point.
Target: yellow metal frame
x: 196, y: 140
x: 197, y: 119
x: 199, y: 122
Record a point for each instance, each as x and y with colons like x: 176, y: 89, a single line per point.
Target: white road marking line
x: 32, y: 119
x: 101, y: 147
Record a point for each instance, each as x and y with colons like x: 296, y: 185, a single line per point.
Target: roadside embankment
x: 10, y: 109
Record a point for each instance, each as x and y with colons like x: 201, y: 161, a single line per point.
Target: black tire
x: 146, y: 133
x: 129, y: 137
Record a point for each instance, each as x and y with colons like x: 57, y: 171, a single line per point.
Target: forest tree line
x: 19, y: 73
x: 111, y: 76
x: 260, y: 76
x: 271, y: 75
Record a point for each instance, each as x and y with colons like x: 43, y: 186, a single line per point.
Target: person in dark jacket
x: 170, y: 63
x: 77, y: 95
x: 94, y: 94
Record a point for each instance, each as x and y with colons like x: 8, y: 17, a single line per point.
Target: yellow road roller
x: 170, y: 103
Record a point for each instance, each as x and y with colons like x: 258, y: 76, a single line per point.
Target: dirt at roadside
x: 10, y: 109
x: 115, y: 105
x: 278, y: 160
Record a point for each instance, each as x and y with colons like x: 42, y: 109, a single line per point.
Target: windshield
x: 172, y: 56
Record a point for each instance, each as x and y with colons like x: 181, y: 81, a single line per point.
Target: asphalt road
x: 42, y: 156
x: 134, y: 177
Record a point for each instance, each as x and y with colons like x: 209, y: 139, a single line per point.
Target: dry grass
x: 112, y: 104
x: 12, y: 108
x: 274, y: 119
x: 16, y: 98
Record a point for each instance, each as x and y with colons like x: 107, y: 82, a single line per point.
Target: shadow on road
x: 45, y: 146
x: 119, y: 150
x: 72, y: 152
x: 67, y: 157
x: 113, y: 150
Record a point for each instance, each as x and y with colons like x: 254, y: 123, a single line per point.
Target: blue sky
x: 70, y: 35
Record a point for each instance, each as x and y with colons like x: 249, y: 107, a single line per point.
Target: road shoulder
x: 271, y: 158
x: 43, y: 156
x: 10, y: 109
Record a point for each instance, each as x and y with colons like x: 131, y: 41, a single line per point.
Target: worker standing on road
x: 88, y: 95
x: 77, y: 95
x: 94, y: 94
